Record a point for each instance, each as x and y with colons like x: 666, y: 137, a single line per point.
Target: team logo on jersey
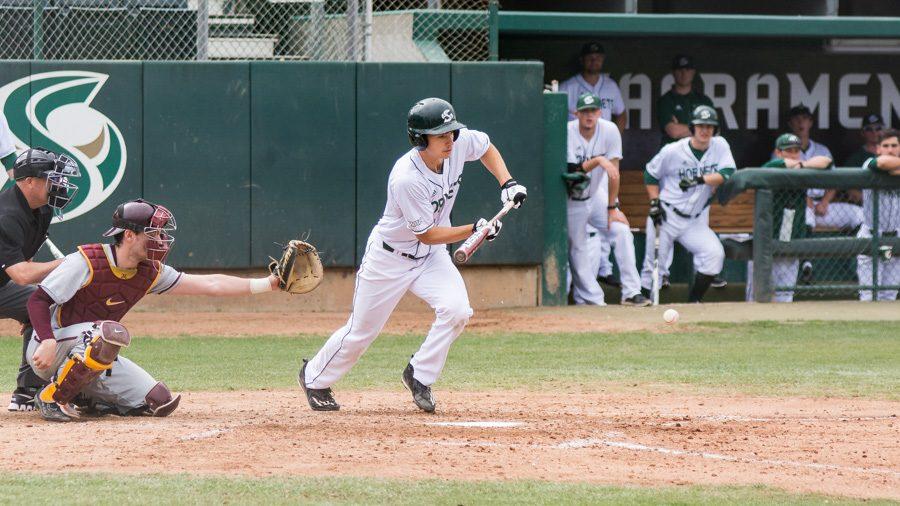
x: 53, y: 110
x: 447, y: 115
x: 438, y: 204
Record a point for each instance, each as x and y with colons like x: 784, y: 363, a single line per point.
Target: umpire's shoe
x: 22, y: 399
x: 320, y: 399
x: 420, y: 393
x: 51, y: 411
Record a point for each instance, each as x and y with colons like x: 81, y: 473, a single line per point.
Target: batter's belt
x: 388, y: 247
x: 686, y: 215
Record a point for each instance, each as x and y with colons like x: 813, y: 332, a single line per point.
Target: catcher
x: 76, y: 311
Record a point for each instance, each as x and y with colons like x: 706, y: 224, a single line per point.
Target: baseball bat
x: 654, y: 292
x: 53, y: 249
x: 471, y: 245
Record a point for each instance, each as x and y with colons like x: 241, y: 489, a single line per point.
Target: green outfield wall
x: 248, y: 154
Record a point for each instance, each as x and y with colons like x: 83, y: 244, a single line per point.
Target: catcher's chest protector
x: 106, y: 295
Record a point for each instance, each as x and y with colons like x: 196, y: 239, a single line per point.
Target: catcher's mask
x: 56, y: 169
x: 154, y: 220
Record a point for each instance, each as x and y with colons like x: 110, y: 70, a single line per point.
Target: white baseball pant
x: 382, y: 280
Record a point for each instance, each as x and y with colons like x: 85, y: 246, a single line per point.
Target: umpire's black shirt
x: 22, y: 229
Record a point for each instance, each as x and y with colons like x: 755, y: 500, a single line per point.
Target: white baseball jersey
x: 63, y: 282
x: 7, y: 146
x: 419, y: 199
x: 606, y: 142
x: 888, y: 207
x: 676, y: 161
x: 611, y: 103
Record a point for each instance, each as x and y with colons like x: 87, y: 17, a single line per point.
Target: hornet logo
x: 53, y: 110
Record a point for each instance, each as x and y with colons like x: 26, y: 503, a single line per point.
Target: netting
x: 835, y: 244
x: 322, y: 30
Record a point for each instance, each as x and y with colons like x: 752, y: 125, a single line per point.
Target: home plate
x: 488, y: 424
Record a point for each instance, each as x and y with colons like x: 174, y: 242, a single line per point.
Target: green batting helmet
x: 704, y: 115
x: 431, y: 116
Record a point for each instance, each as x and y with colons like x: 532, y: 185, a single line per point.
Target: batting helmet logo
x: 447, y: 115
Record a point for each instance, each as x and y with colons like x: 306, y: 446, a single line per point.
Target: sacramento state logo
x: 53, y: 110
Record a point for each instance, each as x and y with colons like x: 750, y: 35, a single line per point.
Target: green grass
x: 812, y: 358
x: 185, y: 489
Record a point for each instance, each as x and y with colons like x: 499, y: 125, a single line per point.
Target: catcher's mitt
x: 299, y: 270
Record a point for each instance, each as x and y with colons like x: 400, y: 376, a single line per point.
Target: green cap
x: 587, y: 101
x: 785, y: 141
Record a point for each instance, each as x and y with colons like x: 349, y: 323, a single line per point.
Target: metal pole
x: 434, y: 4
x: 314, y: 28
x: 202, y: 30
x: 353, y: 30
x: 37, y: 29
x: 493, y: 30
x: 876, y: 237
x: 762, y: 246
x: 367, y: 32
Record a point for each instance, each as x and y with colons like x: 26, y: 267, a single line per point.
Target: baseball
x: 670, y: 316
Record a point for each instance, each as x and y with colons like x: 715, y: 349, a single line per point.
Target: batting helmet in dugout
x: 431, y: 116
x: 704, y: 115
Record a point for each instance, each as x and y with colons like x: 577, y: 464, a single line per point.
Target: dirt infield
x: 833, y: 446
x: 618, y: 434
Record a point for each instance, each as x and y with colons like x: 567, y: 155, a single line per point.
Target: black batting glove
x: 657, y: 213
x: 690, y: 182
x: 513, y: 191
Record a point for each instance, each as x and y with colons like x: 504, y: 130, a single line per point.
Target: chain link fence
x: 824, y: 244
x: 319, y: 30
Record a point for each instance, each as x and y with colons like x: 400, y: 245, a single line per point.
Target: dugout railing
x: 835, y: 253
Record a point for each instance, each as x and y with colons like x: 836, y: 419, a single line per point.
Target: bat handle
x: 53, y: 249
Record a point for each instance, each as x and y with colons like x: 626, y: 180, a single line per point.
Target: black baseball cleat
x: 665, y: 282
x: 320, y: 399
x: 718, y: 282
x: 806, y: 273
x: 420, y: 393
x: 637, y: 300
x: 52, y: 412
x: 22, y: 399
x: 610, y: 280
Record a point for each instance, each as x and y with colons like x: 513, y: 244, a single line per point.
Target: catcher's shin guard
x: 160, y: 401
x: 108, y: 337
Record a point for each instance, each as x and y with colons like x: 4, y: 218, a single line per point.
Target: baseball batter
x: 594, y: 143
x: 888, y: 160
x: 680, y: 181
x: 790, y: 218
x: 76, y: 309
x: 406, y: 251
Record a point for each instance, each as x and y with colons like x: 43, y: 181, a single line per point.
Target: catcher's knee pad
x: 106, y: 339
x: 160, y: 401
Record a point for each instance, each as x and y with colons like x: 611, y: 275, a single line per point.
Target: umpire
x: 41, y: 189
